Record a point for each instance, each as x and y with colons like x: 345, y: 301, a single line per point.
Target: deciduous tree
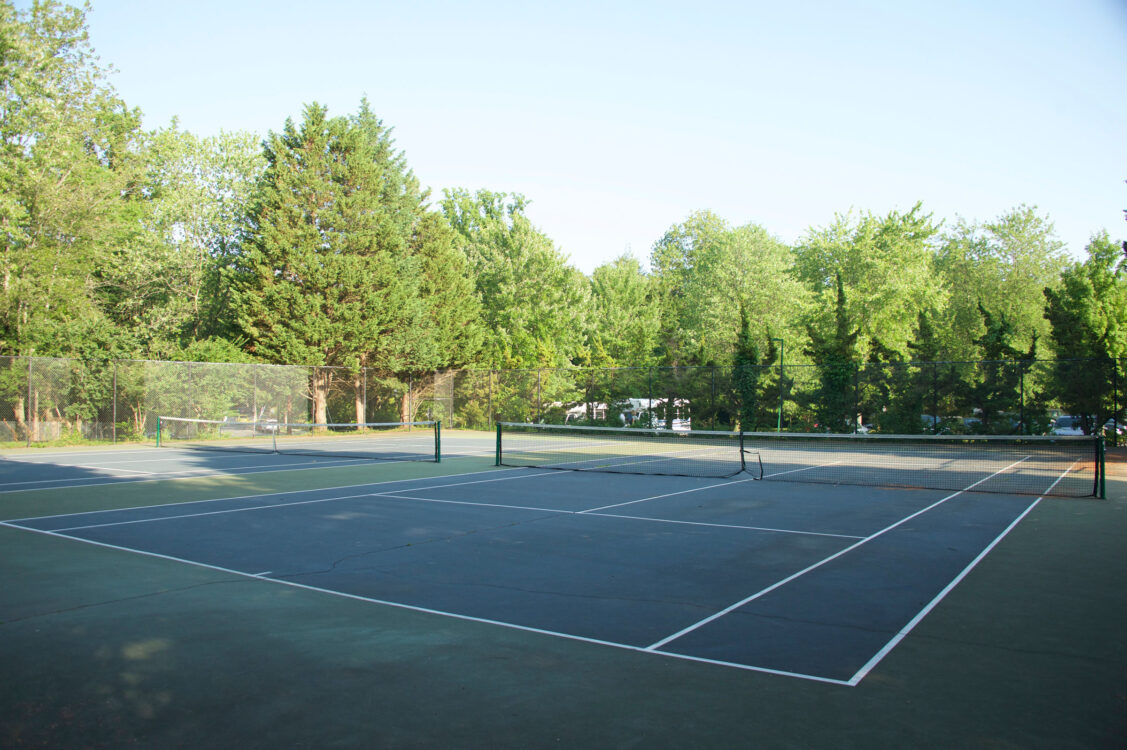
x: 69, y: 176
x: 534, y: 305
x: 1087, y: 315
x: 884, y: 264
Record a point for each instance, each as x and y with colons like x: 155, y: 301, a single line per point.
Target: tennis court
x: 730, y: 579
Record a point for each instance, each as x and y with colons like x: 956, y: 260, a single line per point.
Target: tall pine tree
x: 327, y: 277
x: 834, y: 351
x: 746, y: 373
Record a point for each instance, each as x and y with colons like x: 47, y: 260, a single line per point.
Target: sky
x: 619, y: 119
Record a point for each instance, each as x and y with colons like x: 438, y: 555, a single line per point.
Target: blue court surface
x: 815, y: 582
x: 30, y: 471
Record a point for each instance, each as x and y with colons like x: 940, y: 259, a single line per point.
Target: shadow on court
x: 106, y: 648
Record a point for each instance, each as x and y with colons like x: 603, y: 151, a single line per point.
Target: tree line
x: 317, y: 245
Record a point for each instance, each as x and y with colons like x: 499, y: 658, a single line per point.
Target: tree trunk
x: 358, y: 389
x: 405, y: 406
x: 322, y: 380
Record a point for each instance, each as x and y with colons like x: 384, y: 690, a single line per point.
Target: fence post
x: 539, y: 398
x: 779, y: 420
x: 934, y: 398
x: 592, y: 398
x: 113, y: 418
x: 30, y: 410
x: 650, y: 393
x: 712, y: 399
x: 1115, y: 403
x: 856, y: 395
x: 1021, y: 391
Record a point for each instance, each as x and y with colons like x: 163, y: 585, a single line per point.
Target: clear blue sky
x: 618, y: 119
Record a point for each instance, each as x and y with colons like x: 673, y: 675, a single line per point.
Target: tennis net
x: 391, y: 441
x: 620, y: 450
x: 1070, y: 466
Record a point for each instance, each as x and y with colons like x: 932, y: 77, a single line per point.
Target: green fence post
x: 1102, y: 467
x: 158, y: 432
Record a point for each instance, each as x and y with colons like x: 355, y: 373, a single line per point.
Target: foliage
x: 317, y: 247
x: 625, y: 318
x: 758, y: 396
x: 1003, y: 265
x: 834, y: 353
x: 884, y: 264
x: 326, y: 276
x: 705, y: 270
x: 450, y: 332
x: 1087, y: 315
x: 995, y: 396
x: 172, y: 284
x: 534, y: 305
x: 68, y: 172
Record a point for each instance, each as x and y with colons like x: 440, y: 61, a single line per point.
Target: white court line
x: 105, y: 468
x: 514, y: 475
x: 727, y: 526
x: 560, y: 511
x: 628, y: 459
x: 398, y: 495
x: 426, y: 610
x: 395, y: 496
x: 197, y: 473
x: 203, y: 473
x: 268, y: 494
x: 181, y: 516
x: 804, y: 468
x: 595, y: 511
x: 904, y: 631
x: 778, y: 584
x: 152, y: 455
x: 28, y: 462
x: 259, y: 507
x: 668, y: 494
x: 191, y: 473
x: 28, y: 455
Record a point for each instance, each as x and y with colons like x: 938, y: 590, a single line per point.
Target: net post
x: 158, y: 432
x: 498, y: 459
x: 438, y: 441
x: 743, y: 463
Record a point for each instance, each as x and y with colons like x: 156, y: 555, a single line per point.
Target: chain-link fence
x: 49, y: 400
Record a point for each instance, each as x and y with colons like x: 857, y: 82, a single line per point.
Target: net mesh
x: 620, y: 450
x: 1053, y: 465
x: 394, y: 441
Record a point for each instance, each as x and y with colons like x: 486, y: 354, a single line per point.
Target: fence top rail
x: 573, y: 369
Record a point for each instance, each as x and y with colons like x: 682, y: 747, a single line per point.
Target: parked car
x: 1066, y: 425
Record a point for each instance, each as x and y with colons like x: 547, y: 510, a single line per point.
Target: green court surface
x: 103, y: 647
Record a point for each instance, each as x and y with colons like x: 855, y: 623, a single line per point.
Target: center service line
x: 820, y: 563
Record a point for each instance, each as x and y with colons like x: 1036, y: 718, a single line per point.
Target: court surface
x: 320, y: 601
x: 786, y: 579
x: 35, y: 470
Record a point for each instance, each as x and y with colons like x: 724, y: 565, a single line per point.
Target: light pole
x: 779, y: 425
